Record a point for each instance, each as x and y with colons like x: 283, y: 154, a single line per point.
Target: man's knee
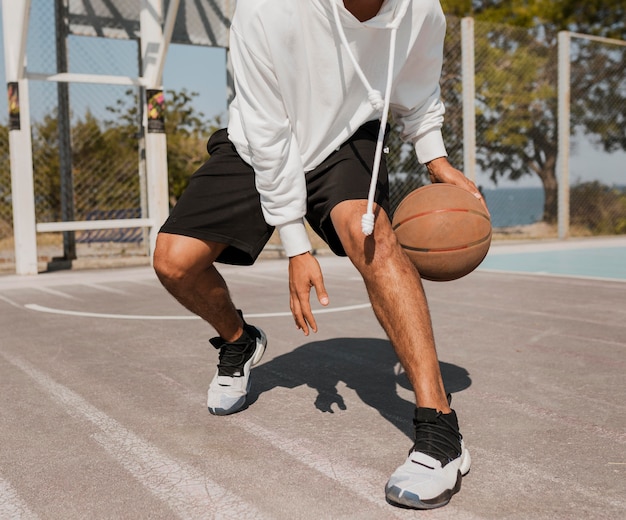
x: 378, y: 247
x: 164, y: 261
x: 176, y: 258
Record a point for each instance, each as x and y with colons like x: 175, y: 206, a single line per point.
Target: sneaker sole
x: 256, y: 357
x: 401, y: 498
x: 405, y: 499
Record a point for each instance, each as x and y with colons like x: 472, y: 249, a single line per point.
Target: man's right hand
x: 304, y: 273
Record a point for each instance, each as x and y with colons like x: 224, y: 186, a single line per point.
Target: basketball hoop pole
x: 15, y: 28
x: 154, y: 44
x: 168, y: 30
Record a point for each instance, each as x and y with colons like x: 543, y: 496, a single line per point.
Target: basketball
x: 444, y: 230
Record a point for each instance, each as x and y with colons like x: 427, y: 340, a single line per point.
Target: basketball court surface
x: 103, y: 380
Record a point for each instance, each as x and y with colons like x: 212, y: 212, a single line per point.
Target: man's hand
x: 304, y: 273
x: 440, y: 170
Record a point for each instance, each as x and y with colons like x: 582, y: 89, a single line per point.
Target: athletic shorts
x: 221, y: 203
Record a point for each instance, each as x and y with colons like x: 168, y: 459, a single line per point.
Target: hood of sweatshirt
x: 388, y: 18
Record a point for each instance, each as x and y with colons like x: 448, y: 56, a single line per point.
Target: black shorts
x: 221, y: 203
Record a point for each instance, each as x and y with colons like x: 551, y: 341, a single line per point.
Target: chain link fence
x: 597, y: 179
x: 516, y: 99
x: 85, y: 145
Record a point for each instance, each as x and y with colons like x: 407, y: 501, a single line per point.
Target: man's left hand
x: 440, y: 170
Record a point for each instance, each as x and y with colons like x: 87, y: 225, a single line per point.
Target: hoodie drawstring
x: 376, y: 99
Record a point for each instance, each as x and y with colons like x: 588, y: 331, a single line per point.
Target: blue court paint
x: 606, y: 262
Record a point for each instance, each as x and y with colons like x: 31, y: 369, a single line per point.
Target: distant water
x: 514, y: 206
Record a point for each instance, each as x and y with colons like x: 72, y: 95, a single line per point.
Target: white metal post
x: 153, y: 45
x: 469, y: 96
x: 564, y: 133
x: 15, y: 28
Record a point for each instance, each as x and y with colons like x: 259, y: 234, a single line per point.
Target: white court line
x: 183, y: 488
x: 54, y: 292
x: 10, y: 302
x: 50, y: 310
x: 11, y: 505
x: 104, y: 288
x: 531, y: 478
x: 573, y: 422
x: 363, y: 482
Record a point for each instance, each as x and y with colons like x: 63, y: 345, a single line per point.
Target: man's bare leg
x: 398, y: 300
x: 432, y: 472
x: 185, y: 267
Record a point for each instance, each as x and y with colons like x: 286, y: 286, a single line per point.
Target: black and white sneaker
x: 231, y: 383
x: 433, y: 470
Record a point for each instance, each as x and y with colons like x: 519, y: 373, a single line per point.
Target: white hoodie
x: 299, y: 94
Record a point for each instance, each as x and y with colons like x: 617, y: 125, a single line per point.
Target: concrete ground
x: 103, y: 380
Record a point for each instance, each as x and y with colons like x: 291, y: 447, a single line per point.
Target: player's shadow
x: 368, y: 366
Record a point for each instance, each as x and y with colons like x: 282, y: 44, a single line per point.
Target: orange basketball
x: 444, y: 230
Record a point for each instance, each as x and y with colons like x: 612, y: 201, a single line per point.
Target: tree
x: 598, y: 17
x: 105, y: 166
x: 5, y: 184
x: 46, y: 168
x: 187, y: 133
x: 598, y: 208
x: 105, y: 156
x: 516, y: 84
x: 186, y: 128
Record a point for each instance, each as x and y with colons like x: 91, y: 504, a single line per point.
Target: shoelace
x: 232, y: 356
x: 378, y: 103
x: 438, y: 439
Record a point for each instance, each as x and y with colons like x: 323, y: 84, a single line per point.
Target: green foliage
x: 46, y: 168
x: 598, y: 208
x: 516, y: 83
x: 187, y: 133
x: 5, y: 184
x: 104, y: 166
x: 598, y: 17
x: 105, y: 155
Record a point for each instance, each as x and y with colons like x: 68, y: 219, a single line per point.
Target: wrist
x: 437, y: 164
x: 300, y: 254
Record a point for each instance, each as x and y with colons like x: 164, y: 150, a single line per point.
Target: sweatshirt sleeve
x: 272, y: 147
x: 422, y: 127
x: 416, y: 98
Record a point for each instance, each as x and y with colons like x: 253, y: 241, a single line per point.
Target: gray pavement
x: 103, y: 380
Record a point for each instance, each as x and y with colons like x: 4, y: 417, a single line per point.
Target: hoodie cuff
x: 430, y: 146
x: 294, y: 238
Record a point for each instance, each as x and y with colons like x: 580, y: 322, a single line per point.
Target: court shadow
x: 368, y: 366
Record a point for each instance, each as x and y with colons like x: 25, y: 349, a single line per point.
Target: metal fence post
x: 65, y: 138
x: 564, y: 133
x: 469, y: 96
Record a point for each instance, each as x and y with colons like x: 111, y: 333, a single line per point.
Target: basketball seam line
x: 431, y: 212
x: 443, y: 249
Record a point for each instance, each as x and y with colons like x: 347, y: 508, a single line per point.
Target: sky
x: 198, y: 69
x: 202, y: 70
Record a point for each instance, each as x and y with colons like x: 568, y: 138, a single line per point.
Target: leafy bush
x: 599, y: 208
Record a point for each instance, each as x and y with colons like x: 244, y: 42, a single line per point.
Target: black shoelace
x: 437, y: 435
x: 233, y: 356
